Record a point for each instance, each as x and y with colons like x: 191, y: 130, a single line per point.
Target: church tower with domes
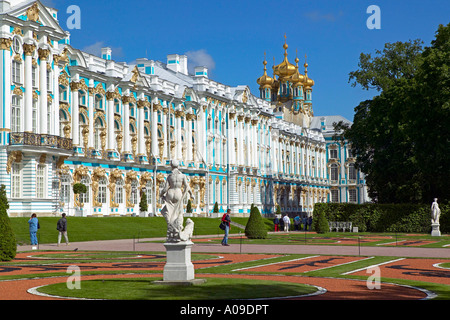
x: 289, y: 91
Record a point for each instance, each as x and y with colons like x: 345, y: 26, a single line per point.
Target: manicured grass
x: 113, y: 228
x: 213, y: 289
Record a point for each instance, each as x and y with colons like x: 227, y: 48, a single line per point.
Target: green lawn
x: 213, y: 289
x: 113, y: 228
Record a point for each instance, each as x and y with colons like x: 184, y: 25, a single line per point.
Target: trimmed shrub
x: 320, y: 223
x: 8, y: 246
x: 143, y: 206
x: 79, y: 188
x: 410, y: 218
x: 216, y: 208
x: 255, y: 228
x: 189, y: 206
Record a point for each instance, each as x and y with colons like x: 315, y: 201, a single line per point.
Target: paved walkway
x: 204, y: 247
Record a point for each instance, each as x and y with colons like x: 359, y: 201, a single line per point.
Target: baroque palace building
x: 70, y: 117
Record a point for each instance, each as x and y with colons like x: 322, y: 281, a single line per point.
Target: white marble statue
x: 435, y: 212
x: 173, y: 196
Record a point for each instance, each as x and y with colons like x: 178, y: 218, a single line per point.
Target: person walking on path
x: 297, y: 223
x: 226, y: 220
x: 61, y: 226
x: 287, y: 223
x: 34, y: 227
x: 276, y: 223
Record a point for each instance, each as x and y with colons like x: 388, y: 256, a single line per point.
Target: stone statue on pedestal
x: 435, y: 215
x: 173, y: 198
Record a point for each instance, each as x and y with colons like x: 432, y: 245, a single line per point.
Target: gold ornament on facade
x: 33, y: 13
x: 96, y: 176
x: 43, y: 54
x: 17, y: 91
x: 129, y: 178
x: 67, y: 131
x: 63, y: 79
x: 29, y: 49
x: 18, y: 58
x: 113, y: 177
x: 5, y: 43
x: 15, y: 156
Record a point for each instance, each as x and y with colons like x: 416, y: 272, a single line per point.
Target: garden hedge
x: 385, y: 217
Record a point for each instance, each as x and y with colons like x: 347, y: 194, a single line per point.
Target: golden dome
x: 265, y: 81
x: 308, y: 83
x: 285, y: 69
x: 297, y: 78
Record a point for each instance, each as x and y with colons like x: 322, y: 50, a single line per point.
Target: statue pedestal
x: 435, y: 232
x: 179, y: 269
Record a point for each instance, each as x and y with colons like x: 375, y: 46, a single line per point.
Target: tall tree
x: 401, y: 137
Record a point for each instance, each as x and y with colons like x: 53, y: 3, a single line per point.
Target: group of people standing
x: 285, y: 223
x: 34, y: 226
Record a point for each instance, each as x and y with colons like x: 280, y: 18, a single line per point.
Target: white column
x: 240, y: 140
x: 28, y: 114
x: 178, y: 148
x: 166, y: 125
x: 126, y: 125
x: 43, y: 105
x: 248, y: 137
x: 110, y: 119
x: 91, y: 107
x: 75, y: 114
x: 155, y: 150
x: 56, y: 74
x: 140, y: 127
x: 231, y: 143
x: 5, y: 82
x: 188, y: 128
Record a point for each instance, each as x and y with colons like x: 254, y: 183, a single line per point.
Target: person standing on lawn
x: 61, y: 226
x: 34, y: 227
x: 226, y: 220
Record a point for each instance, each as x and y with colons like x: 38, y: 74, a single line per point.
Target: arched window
x: 102, y: 187
x: 65, y: 189
x: 98, y: 126
x: 119, y: 191
x: 84, y: 197
x: 98, y: 101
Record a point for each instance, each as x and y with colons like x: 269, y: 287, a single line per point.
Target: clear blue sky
x: 231, y: 36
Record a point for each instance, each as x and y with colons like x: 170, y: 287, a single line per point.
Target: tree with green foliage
x: 320, y: 222
x: 400, y: 137
x: 189, y: 206
x: 143, y: 206
x: 79, y: 188
x: 8, y: 246
x: 216, y: 208
x: 255, y: 228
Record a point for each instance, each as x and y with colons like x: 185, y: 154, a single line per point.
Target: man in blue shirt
x: 34, y: 226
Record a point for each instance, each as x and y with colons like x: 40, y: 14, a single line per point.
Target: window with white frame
x: 16, y: 72
x: 65, y: 189
x: 335, y: 195
x: 84, y: 197
x: 34, y: 76
x: 351, y: 171
x: 16, y: 114
x: 352, y: 195
x: 16, y: 180
x: 119, y: 191
x: 49, y: 81
x: 40, y: 181
x: 334, y: 172
x: 102, y: 187
x: 333, y: 153
x: 34, y: 116
x: 134, y: 192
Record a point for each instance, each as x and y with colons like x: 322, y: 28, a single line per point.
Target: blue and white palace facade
x: 70, y: 117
